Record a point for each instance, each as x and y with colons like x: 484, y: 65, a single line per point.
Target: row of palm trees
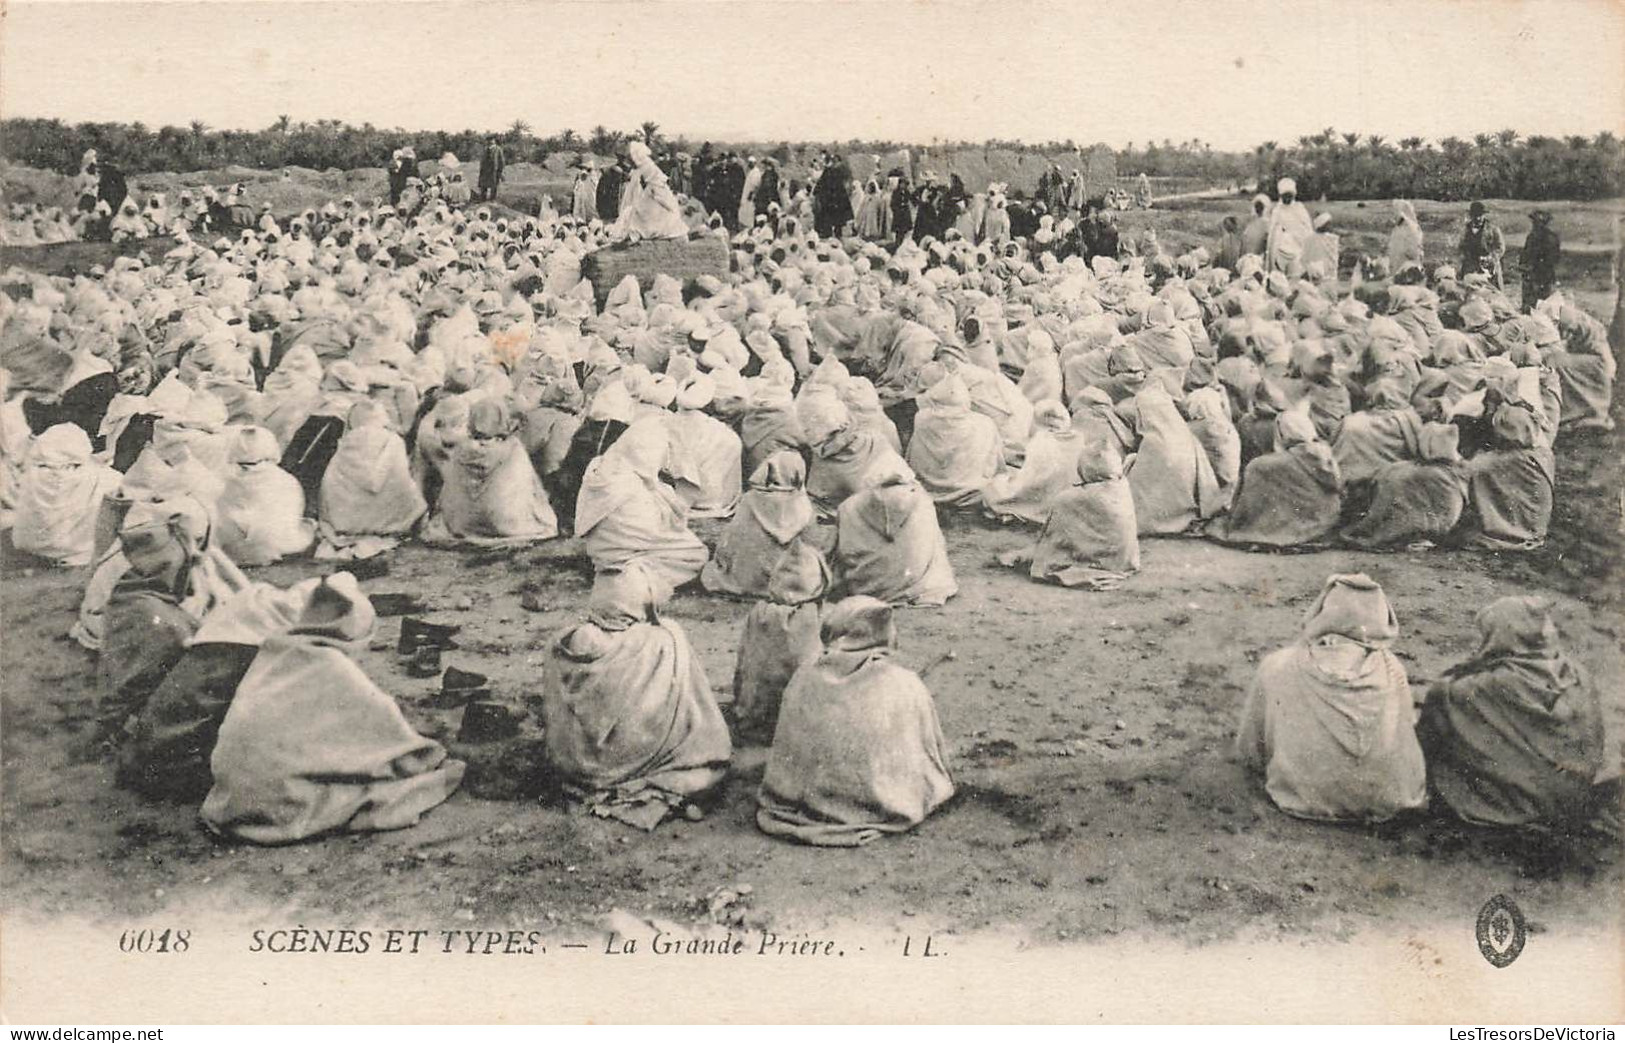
x: 1327, y: 163
x: 1503, y: 165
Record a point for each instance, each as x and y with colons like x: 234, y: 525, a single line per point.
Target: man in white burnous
x: 1291, y: 229
x: 649, y: 210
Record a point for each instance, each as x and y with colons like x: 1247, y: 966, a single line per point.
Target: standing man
x: 1482, y: 245
x: 747, y: 196
x: 833, y: 197
x: 699, y: 182
x: 492, y: 162
x: 397, y: 176
x: 733, y: 192
x: 1539, y: 261
x: 609, y: 192
x: 768, y: 192
x: 1291, y: 229
x: 584, y: 194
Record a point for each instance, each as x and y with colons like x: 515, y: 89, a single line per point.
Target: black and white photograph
x: 811, y: 512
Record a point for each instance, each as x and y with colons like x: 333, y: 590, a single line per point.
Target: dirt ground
x: 1088, y: 733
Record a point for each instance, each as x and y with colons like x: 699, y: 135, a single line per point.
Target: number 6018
x: 145, y: 940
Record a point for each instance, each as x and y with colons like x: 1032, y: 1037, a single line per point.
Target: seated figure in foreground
x: 1514, y: 735
x: 311, y: 745
x: 633, y: 730
x: 858, y: 752
x: 1330, y: 722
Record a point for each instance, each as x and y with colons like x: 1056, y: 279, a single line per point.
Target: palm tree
x: 518, y: 129
x: 198, y: 128
x: 650, y: 131
x: 1507, y: 138
x: 1410, y: 144
x: 282, y: 124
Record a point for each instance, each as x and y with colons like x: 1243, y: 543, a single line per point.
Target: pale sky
x: 1233, y: 73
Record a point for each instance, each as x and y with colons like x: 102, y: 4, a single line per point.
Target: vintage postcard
x: 811, y: 512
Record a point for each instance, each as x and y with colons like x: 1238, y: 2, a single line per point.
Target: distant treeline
x: 1330, y: 164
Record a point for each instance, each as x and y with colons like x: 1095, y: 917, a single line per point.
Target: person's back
x: 311, y: 745
x: 632, y: 727
x: 779, y: 637
x: 1090, y: 538
x: 625, y: 513
x: 858, y: 751
x: 954, y: 452
x: 707, y: 458
x: 1513, y: 479
x: 1291, y: 496
x: 888, y: 545
x: 172, y: 737
x: 774, y: 515
x: 491, y: 491
x: 1171, y: 477
x: 1514, y: 735
x: 261, y: 507
x: 1329, y: 721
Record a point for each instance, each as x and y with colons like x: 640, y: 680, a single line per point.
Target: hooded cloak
x: 1288, y: 497
x: 1511, y: 483
x: 368, y: 488
x: 858, y: 752
x: 888, y: 545
x: 632, y: 728
x: 172, y: 738
x: 626, y: 513
x: 260, y: 515
x: 1047, y: 469
x: 491, y: 495
x: 1514, y: 735
x: 1090, y: 538
x: 312, y: 746
x: 706, y: 457
x: 1414, y: 500
x: 1172, y: 480
x: 773, y: 515
x: 1329, y: 720
x: 779, y: 637
x: 954, y: 452
x: 59, y: 496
